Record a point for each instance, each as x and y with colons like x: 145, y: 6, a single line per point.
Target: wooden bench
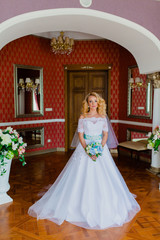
x: 137, y: 147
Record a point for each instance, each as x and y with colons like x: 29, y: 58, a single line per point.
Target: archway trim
x: 143, y: 44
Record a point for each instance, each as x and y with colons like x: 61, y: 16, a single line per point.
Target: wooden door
x: 98, y: 82
x: 80, y: 83
x: 77, y: 89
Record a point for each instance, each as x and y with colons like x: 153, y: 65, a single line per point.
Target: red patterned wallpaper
x: 138, y: 135
x: 35, y: 51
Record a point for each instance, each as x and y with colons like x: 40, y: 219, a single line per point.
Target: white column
x: 4, y: 184
x: 155, y: 161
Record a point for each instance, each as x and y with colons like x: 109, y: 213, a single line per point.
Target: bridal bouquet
x: 94, y: 148
x: 154, y: 139
x: 11, y: 144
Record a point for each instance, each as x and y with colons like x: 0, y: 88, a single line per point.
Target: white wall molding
x: 132, y: 123
x: 31, y: 122
x: 63, y: 120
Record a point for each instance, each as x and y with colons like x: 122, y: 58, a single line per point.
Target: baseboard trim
x: 44, y: 151
x: 153, y: 170
x: 113, y: 151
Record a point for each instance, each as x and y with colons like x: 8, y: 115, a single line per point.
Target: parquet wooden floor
x: 30, y: 182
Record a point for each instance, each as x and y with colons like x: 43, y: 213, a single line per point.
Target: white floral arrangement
x: 154, y: 139
x: 11, y: 144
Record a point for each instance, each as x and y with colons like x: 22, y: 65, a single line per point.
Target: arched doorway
x: 143, y: 45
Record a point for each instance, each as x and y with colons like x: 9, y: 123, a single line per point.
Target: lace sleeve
x: 105, y: 126
x: 80, y: 125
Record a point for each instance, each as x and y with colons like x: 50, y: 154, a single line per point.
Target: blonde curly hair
x: 100, y: 101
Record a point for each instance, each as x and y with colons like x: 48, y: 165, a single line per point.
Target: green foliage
x: 11, y: 144
x: 154, y: 139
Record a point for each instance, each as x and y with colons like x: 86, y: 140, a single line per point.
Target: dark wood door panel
x: 78, y: 87
x: 80, y: 84
x: 98, y: 83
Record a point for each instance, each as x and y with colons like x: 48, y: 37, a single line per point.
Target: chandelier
x: 137, y: 83
x: 29, y: 85
x: 62, y: 45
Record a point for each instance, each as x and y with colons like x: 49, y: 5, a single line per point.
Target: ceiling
x: 70, y: 34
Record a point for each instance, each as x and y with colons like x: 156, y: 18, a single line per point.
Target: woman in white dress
x: 90, y: 191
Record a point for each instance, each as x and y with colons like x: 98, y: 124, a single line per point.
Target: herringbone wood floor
x: 30, y: 182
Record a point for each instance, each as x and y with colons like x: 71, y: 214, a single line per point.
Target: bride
x: 90, y: 191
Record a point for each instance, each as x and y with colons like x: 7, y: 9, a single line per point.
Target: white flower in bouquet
x: 155, y: 137
x: 12, y: 136
x: 9, y: 129
x: 5, y: 153
x: 14, y: 146
x: 16, y: 133
x: 149, y: 134
x: 20, y: 140
x: 24, y: 145
x: 1, y: 133
x: 6, y: 139
x: 149, y: 146
x: 96, y: 151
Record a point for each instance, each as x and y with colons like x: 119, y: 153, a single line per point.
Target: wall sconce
x: 21, y: 84
x: 29, y: 85
x: 136, y: 83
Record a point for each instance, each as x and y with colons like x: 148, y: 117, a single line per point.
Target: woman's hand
x: 94, y: 157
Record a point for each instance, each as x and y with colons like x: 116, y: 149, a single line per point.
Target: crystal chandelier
x: 29, y: 85
x: 62, y: 45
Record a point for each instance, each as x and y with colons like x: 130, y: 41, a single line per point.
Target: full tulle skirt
x: 89, y: 194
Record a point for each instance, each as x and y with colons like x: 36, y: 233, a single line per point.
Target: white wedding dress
x: 88, y: 194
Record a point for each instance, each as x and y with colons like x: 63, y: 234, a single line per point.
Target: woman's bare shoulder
x: 102, y: 116
x: 81, y: 116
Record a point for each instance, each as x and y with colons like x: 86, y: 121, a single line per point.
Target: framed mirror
x: 34, y: 137
x: 28, y: 91
x: 139, y: 94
